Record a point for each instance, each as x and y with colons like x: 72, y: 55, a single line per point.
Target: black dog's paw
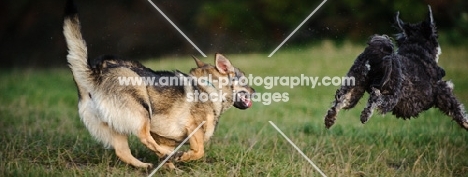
x: 366, y: 114
x: 364, y: 117
x: 330, y: 117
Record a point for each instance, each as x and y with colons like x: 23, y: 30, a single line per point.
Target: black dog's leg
x: 342, y: 97
x: 383, y: 103
x: 385, y: 95
x: 375, y: 100
x: 388, y: 103
x: 448, y: 104
x: 348, y: 95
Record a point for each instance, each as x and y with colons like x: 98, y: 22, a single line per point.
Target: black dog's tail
x: 77, y: 51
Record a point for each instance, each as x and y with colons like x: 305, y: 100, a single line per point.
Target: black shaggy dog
x: 405, y: 82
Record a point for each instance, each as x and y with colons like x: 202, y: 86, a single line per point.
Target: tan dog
x: 161, y: 115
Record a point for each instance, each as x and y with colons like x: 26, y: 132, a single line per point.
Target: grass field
x: 41, y: 133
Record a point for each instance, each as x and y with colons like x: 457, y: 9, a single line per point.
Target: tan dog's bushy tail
x: 77, y: 51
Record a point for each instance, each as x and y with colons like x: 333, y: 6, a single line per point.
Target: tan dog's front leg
x: 196, y: 147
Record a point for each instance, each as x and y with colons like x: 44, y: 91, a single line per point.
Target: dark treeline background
x: 31, y: 30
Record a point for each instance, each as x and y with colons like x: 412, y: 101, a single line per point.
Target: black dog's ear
x: 429, y: 18
x: 429, y: 24
x: 400, y: 24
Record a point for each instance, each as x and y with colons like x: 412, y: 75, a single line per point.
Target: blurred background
x: 31, y: 30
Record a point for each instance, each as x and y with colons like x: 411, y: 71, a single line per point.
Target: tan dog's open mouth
x: 242, y: 100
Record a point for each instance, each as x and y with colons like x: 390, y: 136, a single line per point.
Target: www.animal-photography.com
x: 233, y: 88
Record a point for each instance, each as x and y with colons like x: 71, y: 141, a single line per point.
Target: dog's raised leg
x: 375, y: 99
x: 388, y: 102
x: 448, y: 104
x: 342, y: 98
x: 391, y: 84
x: 348, y: 95
x: 148, y: 140
x: 196, y: 147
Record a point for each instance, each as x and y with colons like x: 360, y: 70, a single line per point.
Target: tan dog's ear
x: 198, y: 62
x: 223, y: 65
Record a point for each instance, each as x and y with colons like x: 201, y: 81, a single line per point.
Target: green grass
x: 41, y: 133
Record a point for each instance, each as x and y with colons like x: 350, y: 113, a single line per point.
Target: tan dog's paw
x: 145, y: 165
x: 169, y: 166
x: 177, y: 156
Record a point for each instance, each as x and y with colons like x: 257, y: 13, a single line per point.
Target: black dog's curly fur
x: 405, y: 82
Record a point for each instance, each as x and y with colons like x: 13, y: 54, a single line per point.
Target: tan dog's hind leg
x: 108, y: 136
x: 148, y: 140
x: 120, y: 144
